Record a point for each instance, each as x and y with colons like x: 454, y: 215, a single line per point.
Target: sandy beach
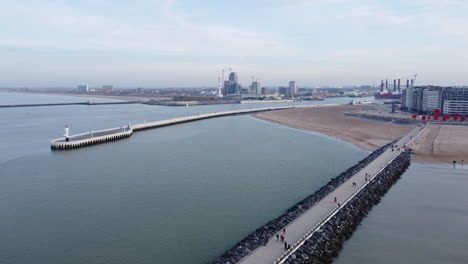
x: 441, y: 143
x: 437, y: 144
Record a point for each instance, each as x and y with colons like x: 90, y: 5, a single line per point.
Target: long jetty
x: 112, y: 134
x: 77, y: 103
x: 317, y: 226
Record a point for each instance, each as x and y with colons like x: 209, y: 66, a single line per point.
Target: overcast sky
x: 176, y: 43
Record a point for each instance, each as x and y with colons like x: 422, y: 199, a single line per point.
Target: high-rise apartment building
x: 409, y: 97
x: 404, y: 105
x: 292, y: 87
x: 266, y: 91
x: 424, y: 100
x: 232, y: 87
x: 256, y: 87
x: 83, y: 88
x: 455, y: 100
x: 284, y: 91
x: 430, y: 101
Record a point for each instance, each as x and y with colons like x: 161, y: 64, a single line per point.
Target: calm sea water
x: 36, y: 126
x: 180, y: 194
x: 422, y: 219
x: 186, y: 193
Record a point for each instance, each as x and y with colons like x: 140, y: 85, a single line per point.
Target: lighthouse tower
x: 67, y: 137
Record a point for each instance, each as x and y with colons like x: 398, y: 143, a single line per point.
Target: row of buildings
x: 85, y: 88
x: 233, y: 88
x: 425, y: 99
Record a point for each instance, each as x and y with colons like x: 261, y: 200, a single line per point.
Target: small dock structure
x: 90, y: 138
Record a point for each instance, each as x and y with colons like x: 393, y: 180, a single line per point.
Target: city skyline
x: 182, y: 43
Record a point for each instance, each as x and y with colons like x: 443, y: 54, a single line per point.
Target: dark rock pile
x: 326, y: 242
x: 261, y: 235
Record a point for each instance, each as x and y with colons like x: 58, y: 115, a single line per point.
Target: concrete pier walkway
x: 299, y: 230
x: 102, y: 136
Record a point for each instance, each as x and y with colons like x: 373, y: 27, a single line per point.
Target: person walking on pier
x: 285, y: 245
x: 284, y: 230
x: 335, y: 199
x: 282, y: 238
x: 277, y: 237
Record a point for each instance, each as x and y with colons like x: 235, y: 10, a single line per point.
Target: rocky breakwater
x: 326, y: 242
x: 262, y: 234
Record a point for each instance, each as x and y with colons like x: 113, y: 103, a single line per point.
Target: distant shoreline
x: 101, y: 96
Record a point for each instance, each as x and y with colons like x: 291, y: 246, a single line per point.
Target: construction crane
x: 414, y: 80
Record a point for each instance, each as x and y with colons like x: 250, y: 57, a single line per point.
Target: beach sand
x: 437, y: 144
x: 330, y: 120
x: 441, y: 144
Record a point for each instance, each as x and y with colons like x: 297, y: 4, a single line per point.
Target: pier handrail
x: 88, y: 133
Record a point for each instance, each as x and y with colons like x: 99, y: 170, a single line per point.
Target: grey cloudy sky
x: 176, y: 43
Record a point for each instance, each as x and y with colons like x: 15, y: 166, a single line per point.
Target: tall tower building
x: 292, y: 87
x: 233, y: 77
x: 409, y: 94
x: 83, y: 88
x: 231, y: 87
x: 256, y: 87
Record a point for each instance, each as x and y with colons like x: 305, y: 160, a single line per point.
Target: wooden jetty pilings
x: 91, y: 138
x: 108, y: 135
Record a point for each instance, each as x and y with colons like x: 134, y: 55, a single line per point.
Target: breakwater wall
x: 108, y: 135
x: 59, y: 104
x: 383, y: 117
x: 325, y: 243
x: 187, y: 119
x: 405, y: 119
x: 262, y: 234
